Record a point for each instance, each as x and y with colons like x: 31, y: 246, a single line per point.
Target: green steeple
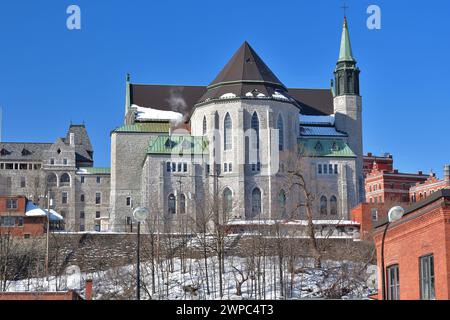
x: 346, y: 53
x: 346, y: 74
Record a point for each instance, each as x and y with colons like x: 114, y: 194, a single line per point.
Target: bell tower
x: 348, y: 105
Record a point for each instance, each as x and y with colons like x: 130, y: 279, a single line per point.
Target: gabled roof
x: 311, y: 101
x: 442, y: 193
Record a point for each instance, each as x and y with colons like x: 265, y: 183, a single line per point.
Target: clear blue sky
x: 50, y: 76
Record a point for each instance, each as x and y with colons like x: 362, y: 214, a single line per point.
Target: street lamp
x: 394, y: 214
x: 140, y: 214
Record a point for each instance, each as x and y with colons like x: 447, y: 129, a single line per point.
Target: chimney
x: 420, y: 172
x: 447, y: 173
x: 88, y: 290
x: 72, y: 139
x: 369, y: 154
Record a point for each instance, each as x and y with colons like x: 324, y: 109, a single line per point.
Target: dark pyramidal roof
x: 245, y: 72
x: 246, y: 66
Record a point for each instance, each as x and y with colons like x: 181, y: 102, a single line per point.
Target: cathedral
x: 235, y: 145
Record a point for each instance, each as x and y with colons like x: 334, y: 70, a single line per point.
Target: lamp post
x: 140, y: 214
x: 394, y: 214
x: 49, y: 205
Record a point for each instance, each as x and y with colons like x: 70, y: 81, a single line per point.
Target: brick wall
x: 421, y: 232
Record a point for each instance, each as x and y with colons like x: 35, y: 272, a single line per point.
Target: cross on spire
x: 345, y: 7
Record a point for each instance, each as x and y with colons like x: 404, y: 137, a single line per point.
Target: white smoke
x: 178, y: 104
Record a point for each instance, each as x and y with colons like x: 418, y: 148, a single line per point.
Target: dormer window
x: 25, y: 152
x: 59, y: 151
x: 318, y: 146
x: 335, y: 146
x: 4, y: 152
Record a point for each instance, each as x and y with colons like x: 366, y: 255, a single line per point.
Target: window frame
x: 430, y: 278
x: 393, y: 289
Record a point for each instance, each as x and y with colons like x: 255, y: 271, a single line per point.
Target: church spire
x: 346, y: 73
x: 346, y: 54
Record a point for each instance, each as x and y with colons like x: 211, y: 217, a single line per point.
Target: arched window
x: 227, y: 200
x: 228, y: 133
x: 255, y: 131
x: 64, y: 180
x: 182, y: 204
x: 256, y: 202
x: 171, y: 204
x: 282, y: 203
x: 323, y: 205
x: 333, y: 206
x: 280, y: 127
x: 52, y: 180
x: 204, y: 125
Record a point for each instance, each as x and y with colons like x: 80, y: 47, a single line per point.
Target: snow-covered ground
x: 176, y: 279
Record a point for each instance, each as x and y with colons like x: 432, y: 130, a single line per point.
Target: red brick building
x: 49, y: 295
x: 387, y: 187
x: 432, y: 184
x: 385, y: 162
x: 368, y: 215
x: 417, y: 251
x: 15, y: 222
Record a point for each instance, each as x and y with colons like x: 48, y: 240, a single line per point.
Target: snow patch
x: 278, y: 95
x: 228, y: 96
x: 154, y: 114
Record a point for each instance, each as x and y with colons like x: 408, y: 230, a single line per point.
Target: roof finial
x: 345, y: 7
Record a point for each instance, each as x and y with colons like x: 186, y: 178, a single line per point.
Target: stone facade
x: 64, y: 170
x: 244, y: 138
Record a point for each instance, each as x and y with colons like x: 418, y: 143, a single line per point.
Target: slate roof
x: 84, y: 152
x: 14, y: 151
x: 28, y: 151
x: 245, y: 72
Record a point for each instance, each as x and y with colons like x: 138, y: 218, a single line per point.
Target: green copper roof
x: 94, y: 170
x: 179, y: 145
x: 324, y: 148
x: 145, y: 127
x: 345, y: 54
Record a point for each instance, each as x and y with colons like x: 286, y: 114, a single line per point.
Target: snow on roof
x: 228, y: 96
x: 292, y: 222
x: 278, y: 95
x: 316, y: 119
x: 33, y: 210
x: 154, y: 114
